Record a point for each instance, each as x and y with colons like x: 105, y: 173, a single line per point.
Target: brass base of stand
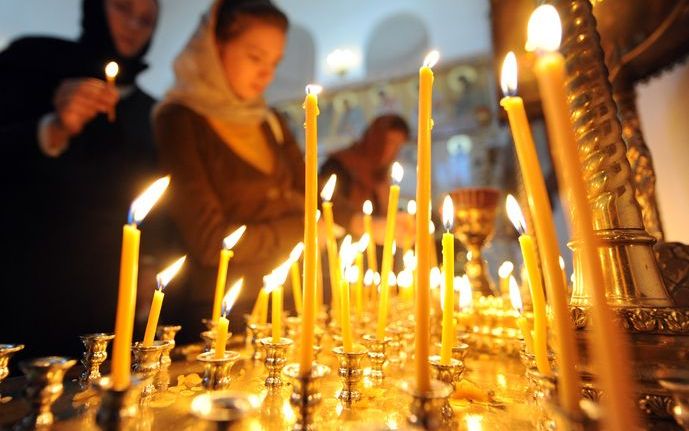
x: 95, y: 353
x: 376, y: 355
x: 43, y: 387
x: 350, y: 372
x: 224, y: 408
x: 431, y: 410
x: 216, y: 374
x: 306, y: 393
x: 118, y: 409
x: 275, y: 359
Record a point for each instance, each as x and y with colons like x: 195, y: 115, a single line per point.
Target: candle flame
x: 376, y: 278
x: 508, y: 75
x: 409, y: 260
x: 277, y: 276
x: 394, y: 248
x: 112, y: 69
x: 368, y: 207
x: 352, y: 274
x: 314, y: 89
x: 296, y: 252
x: 436, y: 277
x: 392, y: 279
x: 318, y: 215
x: 474, y: 422
x: 515, y: 295
x: 232, y: 239
x: 411, y: 207
x: 505, y: 269
x: 231, y: 296
x: 448, y: 213
x: 562, y: 262
x: 405, y: 278
x: 143, y: 204
x: 362, y: 245
x: 466, y: 299
x: 431, y: 58
x: 368, y: 277
x: 346, y: 254
x: 164, y: 277
x: 329, y: 188
x: 397, y: 173
x: 431, y: 227
x: 544, y: 31
x: 514, y: 213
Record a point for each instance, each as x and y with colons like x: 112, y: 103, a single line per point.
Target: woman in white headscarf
x: 232, y: 160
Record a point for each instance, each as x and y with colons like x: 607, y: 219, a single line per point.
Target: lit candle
x: 423, y: 215
x: 448, y: 335
x: 346, y: 256
x: 564, y: 345
x: 221, y: 328
x: 370, y: 286
x: 371, y: 259
x: 111, y: 71
x: 294, y: 256
x: 383, y: 305
x: 126, y: 296
x: 504, y: 272
x: 225, y: 255
x: 407, y: 240
x: 330, y: 241
x: 275, y: 282
x: 611, y: 356
x: 466, y: 303
x: 162, y: 280
x: 522, y: 323
x: 308, y: 321
x: 362, y: 246
x: 540, y: 338
x: 259, y: 313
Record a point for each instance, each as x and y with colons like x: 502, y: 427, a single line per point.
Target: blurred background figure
x: 69, y: 175
x: 232, y: 160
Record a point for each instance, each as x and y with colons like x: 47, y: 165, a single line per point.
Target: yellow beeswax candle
x: 222, y: 327
x: 331, y: 242
x: 112, y: 69
x: 296, y: 276
x: 448, y: 334
x: 162, y: 280
x: 226, y: 254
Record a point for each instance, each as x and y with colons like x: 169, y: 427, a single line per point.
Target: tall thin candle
x: 162, y: 280
x: 448, y: 334
x: 225, y: 255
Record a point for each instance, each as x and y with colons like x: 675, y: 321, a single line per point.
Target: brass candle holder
x: 255, y: 332
x: 351, y: 372
x: 225, y: 409
x: 167, y: 333
x: 44, y: 378
x: 216, y: 374
x: 448, y: 373
x: 275, y: 359
x: 146, y: 365
x: 95, y: 353
x: 475, y: 209
x: 6, y: 353
x: 430, y: 410
x: 394, y: 347
x: 208, y: 338
x: 293, y: 324
x: 118, y: 409
x: 305, y: 393
x: 376, y: 356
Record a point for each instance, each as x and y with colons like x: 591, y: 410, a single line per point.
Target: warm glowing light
x: 278, y: 276
x: 314, y: 89
x: 397, y: 172
x: 501, y: 379
x: 368, y: 277
x: 329, y: 188
x: 368, y: 207
x: 562, y: 262
x: 515, y: 295
x: 405, y: 278
x: 544, y: 31
x: 474, y: 422
x: 514, y: 213
x: 341, y: 60
x: 318, y: 215
x: 505, y: 269
x: 411, y: 207
x: 347, y: 252
x: 448, y: 213
x: 436, y: 277
x: 231, y: 296
x: 465, y: 295
x: 394, y: 248
x: 508, y: 75
x: 352, y: 274
x: 112, y: 69
x: 232, y: 239
x: 296, y: 252
x: 409, y: 260
x: 163, y: 278
x: 392, y: 279
x: 362, y: 244
x: 143, y: 204
x: 376, y: 278
x: 431, y: 228
x: 431, y: 58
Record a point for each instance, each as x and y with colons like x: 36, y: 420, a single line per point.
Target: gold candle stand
x: 305, y: 393
x: 44, y: 386
x: 275, y: 359
x: 216, y: 374
x: 351, y: 372
x: 95, y: 353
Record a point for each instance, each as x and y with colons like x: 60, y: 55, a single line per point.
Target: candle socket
x: 394, y: 348
x: 448, y: 373
x: 95, y: 353
x: 255, y: 332
x: 118, y: 409
x: 6, y: 353
x: 293, y: 325
x: 146, y: 365
x: 376, y: 356
x: 216, y: 374
x: 209, y: 324
x: 225, y: 409
x: 275, y: 359
x: 208, y: 338
x: 431, y: 410
x: 351, y: 372
x: 167, y: 333
x: 44, y: 378
x: 305, y: 393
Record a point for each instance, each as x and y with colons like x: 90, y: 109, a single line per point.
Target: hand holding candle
x: 162, y: 280
x: 225, y: 255
x: 112, y: 69
x: 448, y: 334
x: 126, y: 296
x: 222, y: 327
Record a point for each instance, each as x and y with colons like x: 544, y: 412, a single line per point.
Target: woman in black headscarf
x: 68, y: 175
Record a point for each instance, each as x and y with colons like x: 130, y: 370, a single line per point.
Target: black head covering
x: 100, y: 47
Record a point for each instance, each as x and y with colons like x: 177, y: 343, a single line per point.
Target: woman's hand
x: 78, y: 101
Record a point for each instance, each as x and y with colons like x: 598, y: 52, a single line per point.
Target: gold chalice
x: 475, y: 210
